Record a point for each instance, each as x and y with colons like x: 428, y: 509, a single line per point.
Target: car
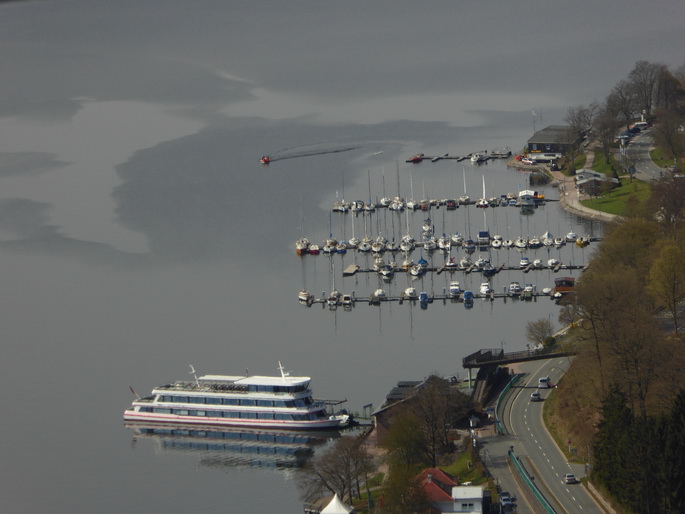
x: 507, y: 501
x: 535, y: 397
x: 544, y: 383
x: 570, y: 478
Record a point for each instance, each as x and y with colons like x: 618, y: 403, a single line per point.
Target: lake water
x: 139, y: 233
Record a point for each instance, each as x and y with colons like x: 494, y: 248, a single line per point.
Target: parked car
x: 570, y: 478
x: 507, y: 501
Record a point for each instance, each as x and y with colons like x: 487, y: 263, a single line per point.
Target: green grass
x: 615, y: 201
x: 600, y: 166
x: 467, y: 467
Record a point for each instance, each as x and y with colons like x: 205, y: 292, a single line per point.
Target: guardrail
x: 500, y: 429
x: 531, y: 485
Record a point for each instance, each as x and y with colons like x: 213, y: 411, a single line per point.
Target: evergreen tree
x: 674, y: 455
x: 611, y: 449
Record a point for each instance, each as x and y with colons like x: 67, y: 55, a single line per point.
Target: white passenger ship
x: 234, y: 401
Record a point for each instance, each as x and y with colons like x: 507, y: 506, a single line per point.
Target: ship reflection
x: 230, y: 447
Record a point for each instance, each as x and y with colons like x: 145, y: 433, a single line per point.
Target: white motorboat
x: 304, y: 296
x: 496, y: 243
x: 524, y: 262
x: 537, y: 263
x: 380, y: 294
x: 482, y: 262
x: 552, y: 262
x: 515, y: 288
x: 485, y: 288
x: 411, y: 293
x: 455, y: 288
x: 507, y: 243
x: 571, y: 237
x: 237, y: 401
x: 559, y: 241
x: 520, y: 242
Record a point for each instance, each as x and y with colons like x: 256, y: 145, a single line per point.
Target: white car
x: 535, y: 397
x: 544, y: 383
x: 570, y: 478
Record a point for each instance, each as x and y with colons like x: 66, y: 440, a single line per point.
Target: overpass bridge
x: 488, y: 361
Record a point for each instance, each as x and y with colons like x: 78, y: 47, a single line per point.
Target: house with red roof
x: 446, y: 496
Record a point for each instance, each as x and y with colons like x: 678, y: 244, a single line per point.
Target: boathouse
x: 590, y: 182
x: 551, y: 142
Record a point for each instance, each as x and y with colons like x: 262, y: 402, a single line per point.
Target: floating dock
x: 351, y: 300
x: 353, y: 269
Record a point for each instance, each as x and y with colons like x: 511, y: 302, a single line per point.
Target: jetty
x: 423, y: 299
x: 353, y: 269
x: 500, y: 153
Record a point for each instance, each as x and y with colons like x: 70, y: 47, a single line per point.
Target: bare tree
x: 338, y: 470
x: 644, y: 78
x: 606, y: 124
x: 668, y: 133
x: 667, y: 279
x: 539, y: 331
x: 438, y: 406
x: 625, y: 100
x: 580, y: 121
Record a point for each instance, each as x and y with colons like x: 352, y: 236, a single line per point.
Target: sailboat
x: 464, y: 198
x: 482, y: 202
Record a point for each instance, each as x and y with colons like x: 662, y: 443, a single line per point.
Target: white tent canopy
x: 336, y: 507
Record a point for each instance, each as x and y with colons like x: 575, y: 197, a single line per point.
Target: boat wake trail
x: 309, y: 151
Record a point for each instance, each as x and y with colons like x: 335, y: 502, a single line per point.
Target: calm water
x: 139, y: 234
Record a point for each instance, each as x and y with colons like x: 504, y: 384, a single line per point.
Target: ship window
x: 247, y: 403
x: 266, y: 415
x: 286, y: 417
x: 181, y: 412
x: 265, y: 403
x: 230, y: 401
x: 179, y: 399
x: 162, y: 411
x: 201, y: 413
x: 196, y: 399
x: 249, y: 415
x: 214, y: 401
x: 146, y: 409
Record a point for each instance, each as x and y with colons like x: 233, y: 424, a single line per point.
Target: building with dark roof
x: 552, y: 142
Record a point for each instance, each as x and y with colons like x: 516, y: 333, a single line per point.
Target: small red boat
x: 265, y: 159
x: 416, y: 158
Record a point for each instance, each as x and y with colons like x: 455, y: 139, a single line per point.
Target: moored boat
x: 239, y: 401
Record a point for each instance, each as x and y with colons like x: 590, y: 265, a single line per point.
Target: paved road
x: 637, y: 153
x: 534, y: 447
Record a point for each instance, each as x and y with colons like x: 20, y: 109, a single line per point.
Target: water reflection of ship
x: 284, y: 449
